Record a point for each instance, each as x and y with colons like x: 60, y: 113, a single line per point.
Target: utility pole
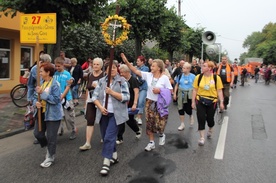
x: 179, y: 7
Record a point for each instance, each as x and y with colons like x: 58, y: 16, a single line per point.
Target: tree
x: 251, y: 42
x: 68, y: 11
x: 262, y: 44
x: 82, y: 41
x: 193, y: 41
x: 145, y: 17
x: 171, y: 35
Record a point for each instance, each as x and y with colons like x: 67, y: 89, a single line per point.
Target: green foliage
x: 145, y: 17
x: 155, y: 53
x: 262, y: 44
x: 171, y: 37
x: 193, y: 40
x: 68, y: 11
x: 83, y: 41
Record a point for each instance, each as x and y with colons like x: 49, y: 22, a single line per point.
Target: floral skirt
x: 154, y: 122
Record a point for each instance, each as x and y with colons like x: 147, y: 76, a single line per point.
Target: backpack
x: 200, y: 77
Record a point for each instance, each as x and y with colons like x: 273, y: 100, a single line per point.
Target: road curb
x: 11, y: 133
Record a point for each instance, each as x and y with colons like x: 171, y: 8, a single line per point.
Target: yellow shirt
x: 207, y: 88
x: 45, y: 88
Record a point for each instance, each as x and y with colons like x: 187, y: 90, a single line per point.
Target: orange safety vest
x: 228, y: 72
x: 236, y: 70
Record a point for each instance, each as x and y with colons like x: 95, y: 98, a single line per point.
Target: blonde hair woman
x: 183, y: 93
x: 156, y: 80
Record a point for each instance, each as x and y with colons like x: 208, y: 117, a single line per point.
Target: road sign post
x: 38, y: 28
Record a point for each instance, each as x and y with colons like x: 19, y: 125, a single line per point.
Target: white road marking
x: 221, y: 141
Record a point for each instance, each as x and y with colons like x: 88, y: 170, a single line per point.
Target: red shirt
x: 85, y: 65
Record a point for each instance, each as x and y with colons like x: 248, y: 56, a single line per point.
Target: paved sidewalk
x: 12, y: 117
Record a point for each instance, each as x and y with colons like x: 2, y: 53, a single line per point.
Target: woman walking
x: 90, y: 108
x: 132, y: 105
x: 51, y: 112
x: 113, y: 115
x: 183, y: 93
x: 207, y: 90
x: 156, y: 81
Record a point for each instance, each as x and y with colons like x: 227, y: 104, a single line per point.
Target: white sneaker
x: 150, y: 146
x: 162, y: 140
x: 85, y: 147
x: 201, y: 142
x: 119, y: 142
x: 139, y: 121
x: 138, y: 136
x: 47, y: 162
x: 181, y: 127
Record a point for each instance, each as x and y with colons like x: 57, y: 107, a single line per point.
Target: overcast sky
x: 232, y: 21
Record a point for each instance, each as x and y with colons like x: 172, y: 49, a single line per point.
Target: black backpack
x: 200, y: 77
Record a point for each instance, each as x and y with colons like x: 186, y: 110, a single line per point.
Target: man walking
x: 226, y: 73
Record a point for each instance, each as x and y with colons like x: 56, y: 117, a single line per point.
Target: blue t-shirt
x: 186, y: 82
x: 62, y: 78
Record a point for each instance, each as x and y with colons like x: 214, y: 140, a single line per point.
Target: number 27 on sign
x: 36, y: 19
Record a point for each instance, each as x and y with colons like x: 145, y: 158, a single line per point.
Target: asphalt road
x: 242, y: 150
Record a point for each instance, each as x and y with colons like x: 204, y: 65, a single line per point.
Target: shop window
x: 5, y: 59
x: 26, y: 58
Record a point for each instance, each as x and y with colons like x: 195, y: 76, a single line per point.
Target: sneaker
x: 201, y: 142
x: 47, y: 162
x: 139, y: 133
x: 73, y: 135
x: 181, y: 127
x: 192, y: 120
x: 139, y: 121
x: 162, y: 139
x: 150, y: 146
x: 85, y: 147
x: 209, y: 134
x: 35, y: 141
x: 119, y: 142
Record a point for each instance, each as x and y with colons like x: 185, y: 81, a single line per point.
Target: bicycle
x: 19, y: 93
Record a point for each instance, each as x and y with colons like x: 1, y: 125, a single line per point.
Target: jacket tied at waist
x: 183, y: 96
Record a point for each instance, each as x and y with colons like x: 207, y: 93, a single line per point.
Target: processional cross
x: 114, y: 26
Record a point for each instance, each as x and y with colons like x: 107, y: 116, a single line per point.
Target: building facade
x: 15, y: 57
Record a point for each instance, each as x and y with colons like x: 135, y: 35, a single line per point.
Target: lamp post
x: 219, y: 44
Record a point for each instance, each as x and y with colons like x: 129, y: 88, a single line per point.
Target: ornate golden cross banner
x: 119, y: 22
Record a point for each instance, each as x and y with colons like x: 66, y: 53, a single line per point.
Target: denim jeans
x: 74, y: 91
x: 109, y: 130
x: 142, y: 101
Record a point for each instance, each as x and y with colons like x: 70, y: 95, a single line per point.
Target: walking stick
x: 38, y: 84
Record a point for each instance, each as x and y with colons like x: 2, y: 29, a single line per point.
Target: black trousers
x: 132, y: 123
x: 205, y: 113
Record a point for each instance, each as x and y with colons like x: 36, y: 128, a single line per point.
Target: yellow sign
x: 42, y: 25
